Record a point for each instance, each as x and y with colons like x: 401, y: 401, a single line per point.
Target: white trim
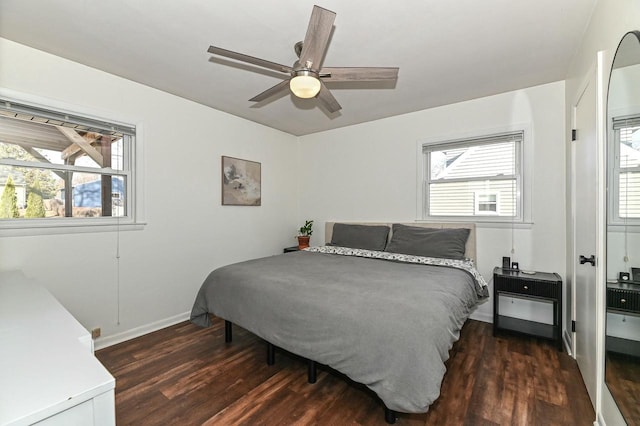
x: 601, y: 223
x: 622, y: 229
x: 57, y: 229
x: 481, y: 316
x: 420, y: 182
x: 566, y: 338
x: 103, y: 342
x: 481, y: 224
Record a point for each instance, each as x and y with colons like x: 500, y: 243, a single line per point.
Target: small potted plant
x: 304, y: 234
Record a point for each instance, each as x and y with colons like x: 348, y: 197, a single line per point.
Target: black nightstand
x: 541, y: 286
x: 290, y: 249
x: 624, y: 299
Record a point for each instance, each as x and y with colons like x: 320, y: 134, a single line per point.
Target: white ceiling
x: 447, y: 50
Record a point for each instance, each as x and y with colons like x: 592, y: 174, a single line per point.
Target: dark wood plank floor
x: 186, y: 375
x: 623, y: 379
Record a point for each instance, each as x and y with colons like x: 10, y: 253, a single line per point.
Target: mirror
x: 622, y: 358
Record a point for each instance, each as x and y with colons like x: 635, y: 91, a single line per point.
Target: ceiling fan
x: 307, y: 76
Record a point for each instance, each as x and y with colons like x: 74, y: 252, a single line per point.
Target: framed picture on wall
x: 241, y: 182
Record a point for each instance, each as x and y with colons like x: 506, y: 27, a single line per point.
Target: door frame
x: 602, y: 87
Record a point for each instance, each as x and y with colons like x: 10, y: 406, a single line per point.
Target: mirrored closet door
x: 622, y: 343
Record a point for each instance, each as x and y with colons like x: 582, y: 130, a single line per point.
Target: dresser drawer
x: 624, y: 300
x: 546, y: 289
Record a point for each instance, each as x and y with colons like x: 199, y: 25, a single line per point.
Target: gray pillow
x: 446, y: 243
x: 368, y: 237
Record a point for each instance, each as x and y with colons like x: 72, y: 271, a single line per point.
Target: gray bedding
x: 386, y: 324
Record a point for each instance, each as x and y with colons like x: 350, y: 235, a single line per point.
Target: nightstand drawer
x: 624, y: 300
x: 546, y: 289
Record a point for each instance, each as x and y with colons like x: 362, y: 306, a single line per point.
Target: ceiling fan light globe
x: 304, y: 86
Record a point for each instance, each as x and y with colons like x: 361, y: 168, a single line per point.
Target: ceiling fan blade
x: 283, y: 85
x: 327, y: 100
x: 249, y: 59
x: 359, y: 74
x: 317, y: 38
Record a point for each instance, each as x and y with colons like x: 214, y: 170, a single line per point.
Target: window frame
x: 615, y: 170
x: 132, y: 172
x: 523, y: 174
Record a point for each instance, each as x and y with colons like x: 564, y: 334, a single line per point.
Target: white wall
x: 188, y: 232
x: 368, y: 172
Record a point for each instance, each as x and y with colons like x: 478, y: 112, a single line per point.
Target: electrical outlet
x: 95, y: 333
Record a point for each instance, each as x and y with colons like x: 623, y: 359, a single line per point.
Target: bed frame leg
x: 271, y: 354
x: 311, y: 371
x: 227, y: 331
x: 389, y: 416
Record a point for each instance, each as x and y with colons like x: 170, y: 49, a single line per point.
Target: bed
x: 381, y: 303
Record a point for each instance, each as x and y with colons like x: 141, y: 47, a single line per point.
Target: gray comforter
x: 386, y: 324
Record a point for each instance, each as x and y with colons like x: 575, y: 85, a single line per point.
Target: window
x: 58, y: 168
x: 487, y: 203
x: 476, y: 177
x: 624, y: 194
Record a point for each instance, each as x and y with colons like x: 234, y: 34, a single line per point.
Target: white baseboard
x: 106, y: 341
x: 482, y: 316
x: 567, y: 342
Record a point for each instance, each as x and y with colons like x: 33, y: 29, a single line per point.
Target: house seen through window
x: 54, y: 166
x: 477, y: 177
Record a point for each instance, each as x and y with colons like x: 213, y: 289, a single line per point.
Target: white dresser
x: 48, y: 373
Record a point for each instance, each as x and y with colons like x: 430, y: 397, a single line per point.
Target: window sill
x: 34, y: 229
x: 622, y: 228
x: 480, y: 223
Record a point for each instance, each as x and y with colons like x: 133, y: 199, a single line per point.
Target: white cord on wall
x: 118, y: 270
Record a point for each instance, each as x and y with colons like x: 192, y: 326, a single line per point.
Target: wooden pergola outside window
x: 68, y: 151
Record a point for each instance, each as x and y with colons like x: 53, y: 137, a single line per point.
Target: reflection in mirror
x: 622, y: 365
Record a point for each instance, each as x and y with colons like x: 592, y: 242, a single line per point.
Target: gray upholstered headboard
x: 470, y: 248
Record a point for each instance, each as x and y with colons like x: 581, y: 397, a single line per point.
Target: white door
x: 585, y: 214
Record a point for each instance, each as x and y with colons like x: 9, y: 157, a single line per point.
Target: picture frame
x: 635, y: 275
x: 506, y: 262
x: 241, y: 182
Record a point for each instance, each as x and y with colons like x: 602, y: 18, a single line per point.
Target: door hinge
x: 574, y: 134
x: 573, y: 326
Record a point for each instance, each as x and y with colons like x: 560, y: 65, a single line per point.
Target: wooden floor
x: 186, y: 375
x: 623, y: 379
